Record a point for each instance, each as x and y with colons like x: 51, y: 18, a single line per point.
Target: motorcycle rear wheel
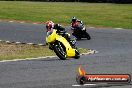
x: 88, y: 36
x: 77, y: 54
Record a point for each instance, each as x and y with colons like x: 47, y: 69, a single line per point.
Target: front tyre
x: 59, y: 50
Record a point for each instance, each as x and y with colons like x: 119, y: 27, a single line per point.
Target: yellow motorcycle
x: 61, y: 46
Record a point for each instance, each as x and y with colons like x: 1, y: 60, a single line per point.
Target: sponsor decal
x: 83, y: 78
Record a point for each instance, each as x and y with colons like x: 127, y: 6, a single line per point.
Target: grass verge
x: 21, y: 51
x: 93, y: 14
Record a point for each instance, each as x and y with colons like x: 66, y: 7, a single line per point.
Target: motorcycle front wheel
x: 60, y: 51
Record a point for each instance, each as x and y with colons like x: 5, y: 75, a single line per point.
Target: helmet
x: 49, y: 25
x: 74, y: 19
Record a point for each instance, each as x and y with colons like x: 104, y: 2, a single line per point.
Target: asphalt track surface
x: 114, y: 57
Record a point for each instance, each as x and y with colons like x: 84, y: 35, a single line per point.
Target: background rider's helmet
x: 49, y: 25
x: 74, y: 19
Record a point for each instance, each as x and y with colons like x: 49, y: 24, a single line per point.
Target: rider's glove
x: 81, y: 22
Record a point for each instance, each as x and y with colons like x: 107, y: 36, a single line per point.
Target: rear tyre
x: 77, y: 54
x: 60, y: 51
x: 88, y: 36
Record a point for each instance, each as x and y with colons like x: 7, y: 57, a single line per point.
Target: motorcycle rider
x: 75, y: 22
x: 60, y: 30
x: 76, y: 27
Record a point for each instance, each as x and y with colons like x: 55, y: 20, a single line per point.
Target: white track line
x: 27, y: 59
x: 91, y: 52
x: 18, y: 42
x: 84, y: 85
x: 118, y: 28
x: 11, y: 21
x: 7, y: 41
x: 30, y: 43
x: 22, y: 22
x: 38, y: 23
x: 91, y: 27
x: 35, y: 23
x: 40, y: 44
x: 36, y: 58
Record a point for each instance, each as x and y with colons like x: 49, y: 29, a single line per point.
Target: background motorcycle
x: 80, y: 32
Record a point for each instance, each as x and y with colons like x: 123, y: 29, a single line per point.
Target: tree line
x: 99, y: 1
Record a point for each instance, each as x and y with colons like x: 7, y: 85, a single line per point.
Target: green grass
x: 20, y: 51
x: 93, y: 14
